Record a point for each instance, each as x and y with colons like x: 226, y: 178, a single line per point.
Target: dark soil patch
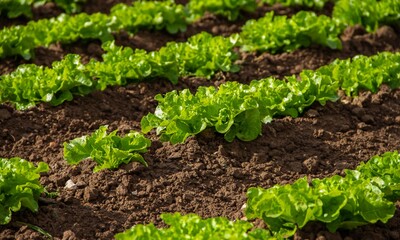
x: 206, y: 175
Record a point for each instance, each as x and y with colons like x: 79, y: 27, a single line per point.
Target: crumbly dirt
x: 206, y: 175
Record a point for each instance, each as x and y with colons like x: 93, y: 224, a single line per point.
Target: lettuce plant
x: 15, y: 8
x: 227, y: 8
x: 385, y: 167
x: 31, y: 83
x: 278, y: 33
x: 307, y: 3
x: 191, y: 226
x: 144, y: 14
x: 109, y: 151
x: 70, y: 6
x: 368, y: 13
x: 19, y: 186
x: 363, y: 72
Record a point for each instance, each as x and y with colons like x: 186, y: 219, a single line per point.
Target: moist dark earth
x: 206, y: 175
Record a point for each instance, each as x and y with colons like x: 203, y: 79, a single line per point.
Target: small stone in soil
x: 70, y: 185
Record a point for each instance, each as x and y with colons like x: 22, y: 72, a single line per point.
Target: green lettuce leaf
x: 109, y: 151
x: 16, y: 8
x: 191, y: 226
x: 19, y: 186
x: 385, y: 167
x: 30, y: 83
x: 368, y: 13
x: 306, y: 3
x: 228, y: 8
x: 278, y: 33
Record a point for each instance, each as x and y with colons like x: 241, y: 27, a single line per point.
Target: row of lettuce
x: 202, y: 55
x: 16, y: 8
x: 21, y: 40
x: 363, y: 196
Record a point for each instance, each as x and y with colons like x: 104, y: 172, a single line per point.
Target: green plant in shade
x: 70, y: 6
x: 109, y: 151
x: 227, y: 8
x: 307, y: 3
x: 19, y: 186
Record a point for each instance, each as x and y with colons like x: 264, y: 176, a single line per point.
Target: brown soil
x: 206, y: 175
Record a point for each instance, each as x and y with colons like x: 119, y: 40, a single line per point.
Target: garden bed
x: 206, y: 175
